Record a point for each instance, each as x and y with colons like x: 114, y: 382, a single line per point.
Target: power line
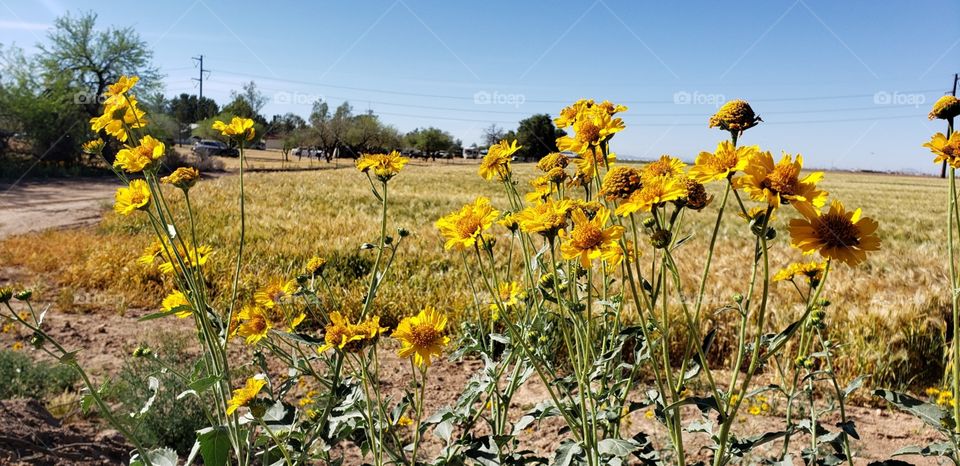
x: 548, y: 101
x: 628, y: 114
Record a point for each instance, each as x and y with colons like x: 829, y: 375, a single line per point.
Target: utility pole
x: 956, y: 77
x: 202, y: 70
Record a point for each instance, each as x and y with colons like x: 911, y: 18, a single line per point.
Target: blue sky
x: 847, y: 84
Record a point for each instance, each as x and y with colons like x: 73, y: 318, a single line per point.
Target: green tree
x: 538, y: 136
x: 188, y: 108
x: 49, y: 98
x: 89, y: 58
x: 248, y: 102
x: 430, y: 141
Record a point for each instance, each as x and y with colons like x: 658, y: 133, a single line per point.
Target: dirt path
x: 61, y: 203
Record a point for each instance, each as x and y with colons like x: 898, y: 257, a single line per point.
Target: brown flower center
x: 782, y: 180
x: 468, y: 225
x: 423, y: 335
x: 837, y: 231
x: 586, y: 236
x: 587, y: 131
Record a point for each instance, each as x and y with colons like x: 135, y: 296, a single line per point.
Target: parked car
x: 208, y: 147
x: 260, y: 145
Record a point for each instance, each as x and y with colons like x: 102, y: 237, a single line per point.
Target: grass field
x: 890, y: 314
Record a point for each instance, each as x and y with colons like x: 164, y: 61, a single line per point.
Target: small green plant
x: 174, y: 422
x: 25, y: 378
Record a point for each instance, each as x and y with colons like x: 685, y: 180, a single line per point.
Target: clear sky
x: 846, y: 83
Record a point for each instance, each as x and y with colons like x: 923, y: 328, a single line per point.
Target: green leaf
x: 214, y: 446
x: 162, y: 314
x: 567, y: 453
x: 739, y: 447
x: 616, y: 447
x: 204, y: 384
x: 854, y: 385
x: 934, y: 449
x: 158, y: 457
x: 929, y: 413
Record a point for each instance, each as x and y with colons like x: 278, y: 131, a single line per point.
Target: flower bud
x: 649, y: 222
x: 403, y: 232
x: 661, y: 238
x: 5, y: 295
x: 23, y: 295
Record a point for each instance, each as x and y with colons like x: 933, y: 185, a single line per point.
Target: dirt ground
x: 35, y: 205
x: 105, y: 339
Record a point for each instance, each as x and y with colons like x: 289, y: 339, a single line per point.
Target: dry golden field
x: 890, y: 313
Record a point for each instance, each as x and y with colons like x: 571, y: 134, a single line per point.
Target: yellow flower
x: 781, y: 183
x: 542, y: 189
x: 462, y: 229
x: 340, y: 333
x: 421, y: 336
x: 314, y: 266
x: 510, y: 295
x: 546, y: 219
x: 150, y: 253
x: 254, y: 325
x: 177, y: 301
x: 93, y: 146
x: 404, y: 421
x: 509, y: 222
x: 497, y: 161
x: 591, y: 239
x: 183, y: 177
x: 813, y: 271
x: 657, y: 191
x: 735, y: 115
x: 569, y: 115
x: 135, y: 159
x: 243, y: 396
x: 551, y: 161
x: 271, y: 295
x: 239, y: 128
x: 664, y: 167
x: 134, y: 197
x: 118, y: 116
x: 592, y: 127
x: 620, y: 182
x: 589, y: 163
x: 837, y: 234
x: 384, y: 166
x: 932, y: 391
x: 723, y: 163
x: 945, y: 108
x: 119, y: 88
x: 946, y: 150
x: 192, y: 257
